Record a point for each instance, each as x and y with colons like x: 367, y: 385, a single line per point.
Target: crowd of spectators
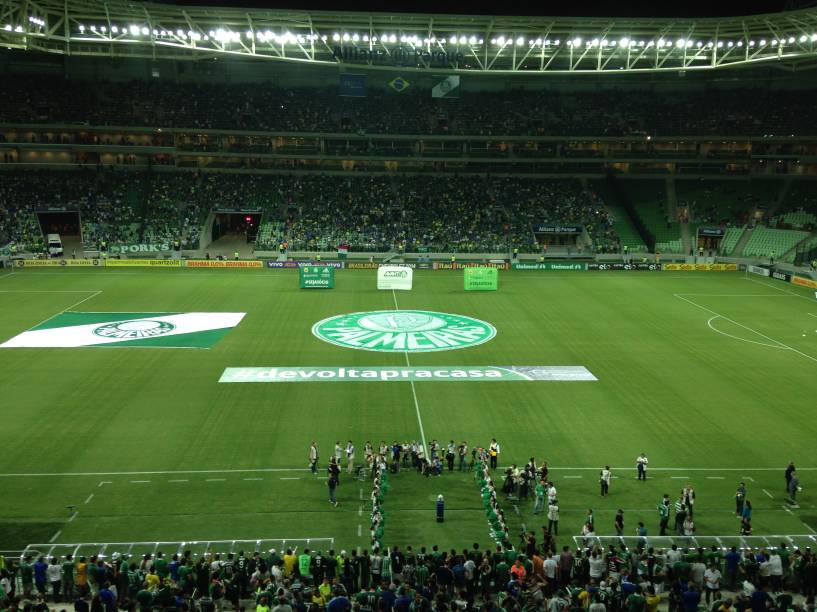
x: 265, y: 106
x: 456, y: 214
x: 537, y: 577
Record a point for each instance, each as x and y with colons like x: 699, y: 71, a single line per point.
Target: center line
x: 413, y: 391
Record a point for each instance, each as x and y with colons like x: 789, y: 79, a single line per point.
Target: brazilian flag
x: 399, y: 84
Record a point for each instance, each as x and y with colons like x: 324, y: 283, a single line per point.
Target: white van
x: 54, y: 245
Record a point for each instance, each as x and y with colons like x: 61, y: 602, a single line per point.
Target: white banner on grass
x: 394, y: 277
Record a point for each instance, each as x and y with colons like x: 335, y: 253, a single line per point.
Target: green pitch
x: 712, y: 375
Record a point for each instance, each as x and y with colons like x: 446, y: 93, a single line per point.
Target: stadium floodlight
x: 463, y: 40
x: 249, y: 34
x: 689, y: 44
x: 134, y: 30
x: 730, y: 44
x: 762, y: 42
x: 432, y: 40
x: 93, y: 28
x: 594, y: 42
x: 501, y: 41
x: 791, y: 39
x: 660, y: 42
x: 520, y: 41
x: 81, y: 28
x: 393, y: 38
x: 336, y: 37
x: 751, y: 43
x: 345, y: 37
x: 539, y: 42
x: 180, y: 34
x: 355, y: 37
x: 774, y: 42
x: 145, y: 31
x: 740, y: 43
x: 103, y: 29
x: 624, y: 41
x: 814, y: 38
x: 472, y: 40
x: 18, y: 29
x: 453, y: 39
x: 803, y: 38
x: 720, y: 44
x: 612, y: 43
x: 680, y: 43
x: 557, y: 42
x: 577, y: 41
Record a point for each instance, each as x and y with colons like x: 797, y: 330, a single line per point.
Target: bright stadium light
x: 791, y: 39
x: 594, y: 42
x: 720, y: 44
x: 453, y: 40
x: 624, y: 41
x: 145, y: 31
x: 336, y: 37
x: 730, y: 44
x: 472, y: 40
x: 577, y: 41
x: 751, y: 43
x: 393, y: 38
x: 660, y: 42
x: 740, y: 43
x: 612, y: 43
x: 93, y: 28
x: 501, y: 41
x: 762, y: 42
x: 18, y: 29
x: 689, y: 43
x: 680, y: 43
x: 520, y: 41
x: 557, y: 42
x: 103, y: 29
x: 346, y: 37
x: 774, y: 42
x: 463, y: 40
x: 355, y: 37
x: 539, y: 42
x: 814, y: 38
x: 81, y: 28
x: 803, y: 38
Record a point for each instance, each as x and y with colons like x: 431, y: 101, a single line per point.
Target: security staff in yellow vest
x: 236, y: 255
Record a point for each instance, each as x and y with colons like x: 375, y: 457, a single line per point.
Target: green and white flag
x: 447, y: 87
x: 128, y: 329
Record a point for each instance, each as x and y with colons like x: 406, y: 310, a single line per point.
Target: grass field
x: 713, y: 375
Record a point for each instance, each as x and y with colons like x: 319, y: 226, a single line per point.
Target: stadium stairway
x: 788, y: 256
x: 744, y: 238
x: 781, y: 197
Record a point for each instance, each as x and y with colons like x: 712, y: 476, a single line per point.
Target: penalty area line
x: 717, y: 314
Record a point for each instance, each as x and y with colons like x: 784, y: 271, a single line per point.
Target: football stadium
x: 419, y: 311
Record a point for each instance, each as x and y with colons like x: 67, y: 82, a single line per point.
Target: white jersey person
x: 350, y: 456
x: 604, y: 480
x: 313, y: 457
x: 338, y: 452
x: 641, y: 466
x: 493, y: 453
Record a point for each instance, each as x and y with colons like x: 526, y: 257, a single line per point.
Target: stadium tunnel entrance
x: 236, y: 224
x: 67, y: 224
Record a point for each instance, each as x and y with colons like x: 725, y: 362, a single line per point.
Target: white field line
x: 104, y: 482
x: 807, y: 526
x: 715, y: 477
x: 767, y: 493
x: 715, y: 329
x: 215, y: 480
x: 179, y: 480
x: 735, y: 295
x: 253, y: 479
x: 49, y: 290
x: 90, y: 497
x: 709, y: 310
x: 413, y: 391
x: 679, y: 477
x: 54, y: 537
x: 290, y: 478
x: 812, y: 314
x: 573, y: 476
x: 74, y: 305
x: 776, y: 288
x: 72, y: 517
x: 749, y: 478
x: 359, y: 531
x: 138, y: 481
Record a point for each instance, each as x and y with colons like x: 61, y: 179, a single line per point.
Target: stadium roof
x: 464, y: 44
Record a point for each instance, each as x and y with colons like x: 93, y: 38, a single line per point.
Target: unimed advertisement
x: 394, y: 277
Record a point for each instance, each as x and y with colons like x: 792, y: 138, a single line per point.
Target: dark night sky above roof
x: 585, y: 8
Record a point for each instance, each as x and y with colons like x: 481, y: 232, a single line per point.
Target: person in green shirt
x: 539, y: 504
x: 304, y: 563
x: 68, y: 568
x: 160, y: 565
x: 145, y: 600
x: 185, y: 579
x: 27, y: 574
x: 636, y: 601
